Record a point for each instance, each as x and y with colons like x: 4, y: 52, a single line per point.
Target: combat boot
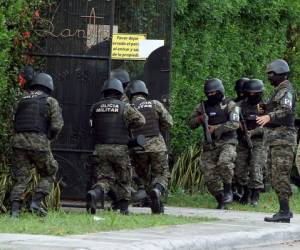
x: 114, y: 200
x: 284, y: 215
x: 139, y: 195
x: 156, y: 203
x: 220, y: 199
x: 254, y: 197
x: 124, y: 207
x: 238, y: 192
x: 91, y: 199
x: 228, y: 196
x: 15, y: 209
x: 245, y: 198
x: 36, y: 205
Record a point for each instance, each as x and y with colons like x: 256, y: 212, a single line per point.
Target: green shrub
x: 227, y: 39
x: 16, y: 23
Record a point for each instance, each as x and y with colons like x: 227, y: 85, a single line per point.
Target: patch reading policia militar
x: 108, y: 108
x: 145, y: 105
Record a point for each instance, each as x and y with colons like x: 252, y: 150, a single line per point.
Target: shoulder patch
x: 287, y: 100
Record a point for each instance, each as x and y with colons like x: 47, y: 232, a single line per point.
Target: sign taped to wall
x: 126, y: 46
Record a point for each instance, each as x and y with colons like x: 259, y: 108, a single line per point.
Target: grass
x: 268, y: 202
x: 66, y: 223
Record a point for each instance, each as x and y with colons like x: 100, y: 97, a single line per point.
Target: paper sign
x: 126, y: 46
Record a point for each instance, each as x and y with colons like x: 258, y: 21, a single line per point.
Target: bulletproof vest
x: 151, y: 128
x: 250, y: 112
x: 217, y: 115
x: 288, y: 120
x: 32, y: 114
x: 108, y: 123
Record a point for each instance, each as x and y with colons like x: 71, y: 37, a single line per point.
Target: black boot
x: 284, y: 215
x: 245, y: 198
x: 15, y: 209
x: 91, y: 199
x: 124, y: 207
x: 36, y: 204
x: 228, y: 196
x: 254, y: 197
x: 220, y: 199
x: 114, y: 200
x: 237, y: 192
x: 139, y: 195
x: 156, y: 203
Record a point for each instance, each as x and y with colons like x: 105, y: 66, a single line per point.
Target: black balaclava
x: 254, y: 99
x: 276, y: 79
x: 215, y: 99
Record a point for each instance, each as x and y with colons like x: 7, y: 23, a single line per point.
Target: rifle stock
x: 205, y: 125
x: 245, y: 130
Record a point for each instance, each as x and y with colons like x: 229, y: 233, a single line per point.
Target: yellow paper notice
x: 126, y: 46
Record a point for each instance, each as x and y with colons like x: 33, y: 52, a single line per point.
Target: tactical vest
x: 32, y: 114
x: 108, y: 123
x: 250, y: 112
x: 288, y: 120
x: 217, y: 115
x: 151, y: 128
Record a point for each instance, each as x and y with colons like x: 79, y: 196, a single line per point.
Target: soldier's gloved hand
x: 200, y: 119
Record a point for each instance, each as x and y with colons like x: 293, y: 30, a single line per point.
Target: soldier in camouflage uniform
x: 241, y: 149
x: 217, y: 160
x: 139, y: 195
x: 250, y: 163
x: 280, y: 135
x: 151, y: 165
x: 110, y: 120
x: 37, y: 122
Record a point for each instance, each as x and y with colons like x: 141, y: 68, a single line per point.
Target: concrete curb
x: 235, y: 230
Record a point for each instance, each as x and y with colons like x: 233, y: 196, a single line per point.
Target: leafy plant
x: 186, y: 172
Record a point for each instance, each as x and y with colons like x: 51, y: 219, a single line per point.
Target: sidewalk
x: 234, y: 230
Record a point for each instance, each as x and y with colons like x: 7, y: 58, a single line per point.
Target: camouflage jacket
x: 39, y: 141
x: 280, y: 108
x: 157, y: 143
x: 230, y: 125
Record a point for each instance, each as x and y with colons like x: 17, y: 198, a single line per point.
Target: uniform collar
x: 138, y: 97
x: 284, y: 84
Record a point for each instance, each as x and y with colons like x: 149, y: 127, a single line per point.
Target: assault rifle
x: 205, y: 125
x: 245, y: 130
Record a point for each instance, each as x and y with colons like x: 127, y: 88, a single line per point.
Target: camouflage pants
x: 152, y: 168
x: 298, y: 158
x: 113, y: 172
x: 23, y: 162
x: 217, y: 166
x: 282, y: 158
x: 249, y: 166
